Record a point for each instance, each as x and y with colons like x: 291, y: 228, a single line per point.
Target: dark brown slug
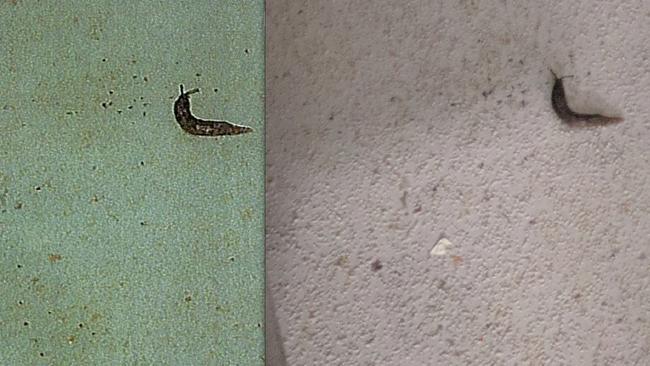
x: 568, y: 116
x: 201, y: 127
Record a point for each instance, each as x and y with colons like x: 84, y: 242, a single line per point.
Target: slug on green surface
x: 201, y: 127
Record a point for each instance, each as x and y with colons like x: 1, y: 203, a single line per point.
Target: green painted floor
x: 123, y: 240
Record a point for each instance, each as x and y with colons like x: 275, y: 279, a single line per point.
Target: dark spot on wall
x: 188, y: 298
x: 18, y: 205
x: 442, y: 284
x: 198, y: 75
x: 341, y: 261
x: 376, y: 265
x: 26, y: 324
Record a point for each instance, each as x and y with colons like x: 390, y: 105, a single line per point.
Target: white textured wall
x: 392, y: 124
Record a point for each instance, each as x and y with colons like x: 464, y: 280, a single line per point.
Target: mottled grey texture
x: 395, y: 123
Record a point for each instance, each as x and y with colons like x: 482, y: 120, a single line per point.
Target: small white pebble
x: 441, y: 247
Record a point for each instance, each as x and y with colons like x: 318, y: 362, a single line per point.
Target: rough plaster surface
x: 392, y: 124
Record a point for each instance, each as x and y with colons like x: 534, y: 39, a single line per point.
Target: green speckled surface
x: 123, y: 240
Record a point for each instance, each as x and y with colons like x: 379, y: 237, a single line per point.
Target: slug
x: 201, y: 127
x: 564, y: 112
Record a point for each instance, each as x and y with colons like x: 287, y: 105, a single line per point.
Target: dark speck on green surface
x: 53, y: 258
